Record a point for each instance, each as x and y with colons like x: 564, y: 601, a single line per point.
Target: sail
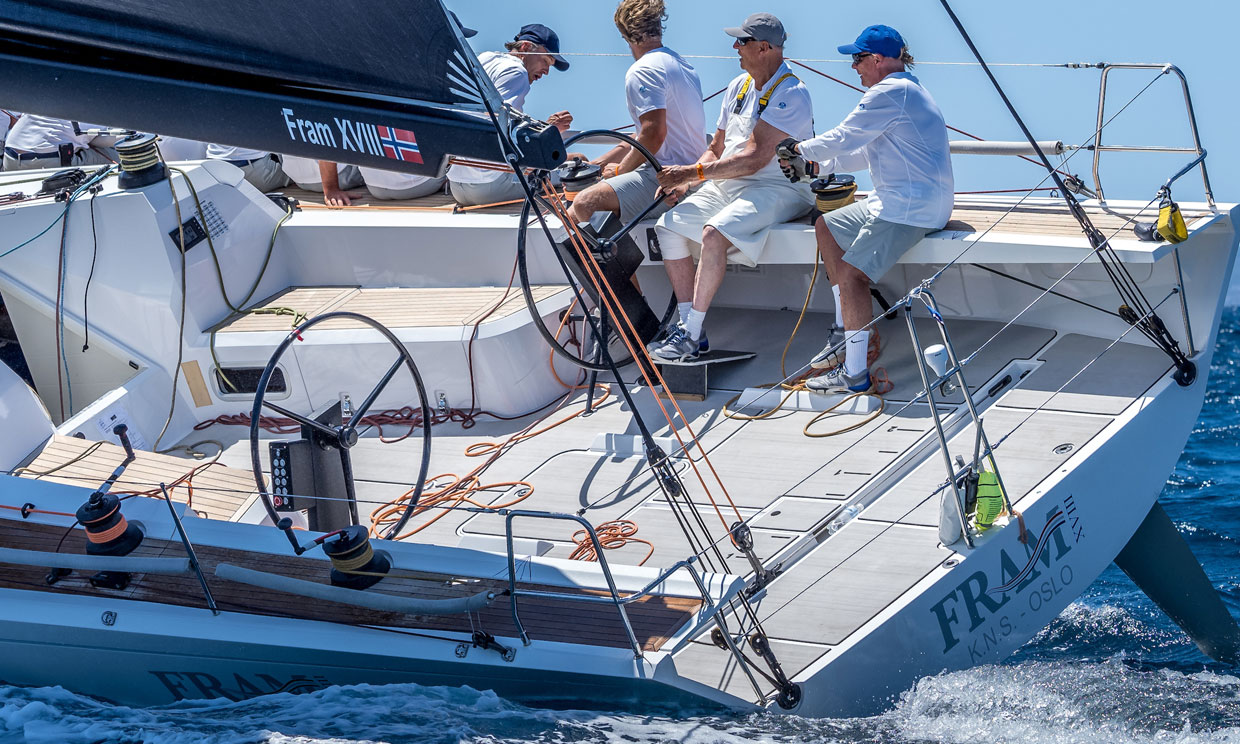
x: 388, y: 83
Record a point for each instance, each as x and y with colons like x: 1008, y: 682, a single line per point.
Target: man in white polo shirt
x: 47, y: 142
x: 745, y: 194
x: 898, y: 132
x: 528, y: 57
x: 664, y: 98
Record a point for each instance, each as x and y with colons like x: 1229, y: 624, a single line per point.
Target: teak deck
x: 654, y: 618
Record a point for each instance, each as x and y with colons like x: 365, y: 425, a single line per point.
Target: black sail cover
x: 386, y: 83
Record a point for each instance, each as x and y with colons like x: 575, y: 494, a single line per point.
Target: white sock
x: 693, y: 323
x: 684, y: 308
x: 839, y: 309
x: 858, y: 345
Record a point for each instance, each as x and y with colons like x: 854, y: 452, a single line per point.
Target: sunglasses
x: 743, y: 40
x: 857, y: 57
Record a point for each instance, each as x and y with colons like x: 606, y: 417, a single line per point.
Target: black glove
x: 786, y: 150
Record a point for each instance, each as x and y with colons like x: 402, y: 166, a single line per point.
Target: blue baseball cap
x: 883, y: 40
x: 540, y: 34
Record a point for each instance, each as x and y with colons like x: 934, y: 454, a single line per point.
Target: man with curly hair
x: 742, y: 192
x: 664, y: 98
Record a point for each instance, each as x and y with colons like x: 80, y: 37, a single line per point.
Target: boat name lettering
x: 980, y: 605
x: 354, y: 136
x: 197, y: 685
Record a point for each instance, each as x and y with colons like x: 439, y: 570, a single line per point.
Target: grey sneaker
x: 677, y: 347
x: 832, y: 355
x: 703, y: 342
x: 836, y: 382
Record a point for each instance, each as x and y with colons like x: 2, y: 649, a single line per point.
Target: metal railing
x: 1196, y: 149
x: 614, y: 598
x: 982, y: 449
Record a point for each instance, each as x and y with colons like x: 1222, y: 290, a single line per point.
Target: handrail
x: 1099, y: 148
x: 616, y: 599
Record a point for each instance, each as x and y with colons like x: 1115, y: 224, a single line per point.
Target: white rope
x: 848, y: 62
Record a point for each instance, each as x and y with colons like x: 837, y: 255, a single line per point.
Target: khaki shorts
x: 635, y: 191
x: 870, y: 244
x: 744, y: 210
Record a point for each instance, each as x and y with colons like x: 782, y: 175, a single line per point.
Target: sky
x: 1057, y: 104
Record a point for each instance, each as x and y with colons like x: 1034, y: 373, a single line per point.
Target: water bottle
x: 845, y: 517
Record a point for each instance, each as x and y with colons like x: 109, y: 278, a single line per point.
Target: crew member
x: 261, y: 169
x: 47, y: 142
x: 897, y: 131
x: 664, y: 98
x: 7, y: 120
x: 306, y: 173
x: 528, y: 57
x: 729, y: 217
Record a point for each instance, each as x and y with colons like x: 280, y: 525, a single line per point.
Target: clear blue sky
x: 1056, y: 103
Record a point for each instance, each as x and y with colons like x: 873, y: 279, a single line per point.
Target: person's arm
x: 756, y: 153
x: 874, y: 115
x: 651, y: 135
x: 561, y: 120
x: 676, y: 186
x: 332, y: 195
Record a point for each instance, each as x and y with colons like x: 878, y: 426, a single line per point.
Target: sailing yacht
x: 272, y: 446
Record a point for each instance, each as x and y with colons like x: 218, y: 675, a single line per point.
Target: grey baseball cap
x: 760, y: 26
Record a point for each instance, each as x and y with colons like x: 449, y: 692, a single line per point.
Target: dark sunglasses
x: 857, y: 57
x: 743, y: 40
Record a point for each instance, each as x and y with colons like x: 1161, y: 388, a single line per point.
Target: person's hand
x: 561, y: 120
x: 611, y: 170
x: 335, y: 198
x: 787, y: 149
x: 674, y: 175
x: 674, y: 195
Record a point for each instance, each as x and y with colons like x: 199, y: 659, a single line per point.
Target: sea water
x: 1111, y: 668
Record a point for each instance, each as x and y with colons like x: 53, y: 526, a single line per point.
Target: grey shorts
x: 635, y: 191
x: 870, y: 244
x: 490, y: 192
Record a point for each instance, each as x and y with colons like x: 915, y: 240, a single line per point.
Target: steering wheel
x: 600, y: 312
x: 343, y: 436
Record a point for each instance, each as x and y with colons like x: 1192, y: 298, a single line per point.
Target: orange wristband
x: 701, y: 173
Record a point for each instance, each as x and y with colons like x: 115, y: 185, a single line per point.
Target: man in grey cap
x: 744, y: 193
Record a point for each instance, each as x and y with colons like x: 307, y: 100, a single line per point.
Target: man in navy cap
x: 898, y: 132
x: 529, y: 56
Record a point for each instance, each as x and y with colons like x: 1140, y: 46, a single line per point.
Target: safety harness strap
x: 766, y: 97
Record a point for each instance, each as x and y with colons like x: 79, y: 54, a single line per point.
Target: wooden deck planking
x: 218, y: 490
x: 1038, y: 220
x: 395, y: 307
x: 654, y: 618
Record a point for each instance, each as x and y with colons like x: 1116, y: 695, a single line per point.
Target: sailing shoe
x: 837, y: 382
x: 703, y: 342
x: 832, y: 355
x: 677, y: 347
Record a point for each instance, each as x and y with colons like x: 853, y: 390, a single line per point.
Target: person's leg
x: 598, y: 198
x: 711, y: 268
x: 426, y: 188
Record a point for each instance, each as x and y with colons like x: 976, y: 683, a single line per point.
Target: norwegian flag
x: 399, y: 144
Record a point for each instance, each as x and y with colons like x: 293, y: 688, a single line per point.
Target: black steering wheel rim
x: 523, y: 263
x: 346, y: 432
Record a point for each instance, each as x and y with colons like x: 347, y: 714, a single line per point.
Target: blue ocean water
x: 1111, y: 668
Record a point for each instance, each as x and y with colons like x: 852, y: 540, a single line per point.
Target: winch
x: 577, y: 175
x: 833, y: 192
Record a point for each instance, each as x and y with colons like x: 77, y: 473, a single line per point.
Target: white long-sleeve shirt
x: 897, y: 131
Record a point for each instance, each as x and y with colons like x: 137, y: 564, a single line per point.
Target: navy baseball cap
x: 883, y: 40
x: 466, y: 31
x: 540, y: 34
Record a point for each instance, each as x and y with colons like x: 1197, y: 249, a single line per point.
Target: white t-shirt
x: 229, y: 152
x: 789, y: 110
x: 513, y: 83
x: 898, y: 131
x: 4, y: 122
x: 43, y: 134
x: 662, y: 79
x: 395, y: 180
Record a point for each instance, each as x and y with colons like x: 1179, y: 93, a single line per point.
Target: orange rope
x: 608, y: 295
x: 33, y: 510
x: 611, y: 535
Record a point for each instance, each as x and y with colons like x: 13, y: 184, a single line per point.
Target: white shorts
x: 742, y: 209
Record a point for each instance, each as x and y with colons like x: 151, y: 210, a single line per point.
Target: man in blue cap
x: 898, y: 132
x: 529, y: 56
